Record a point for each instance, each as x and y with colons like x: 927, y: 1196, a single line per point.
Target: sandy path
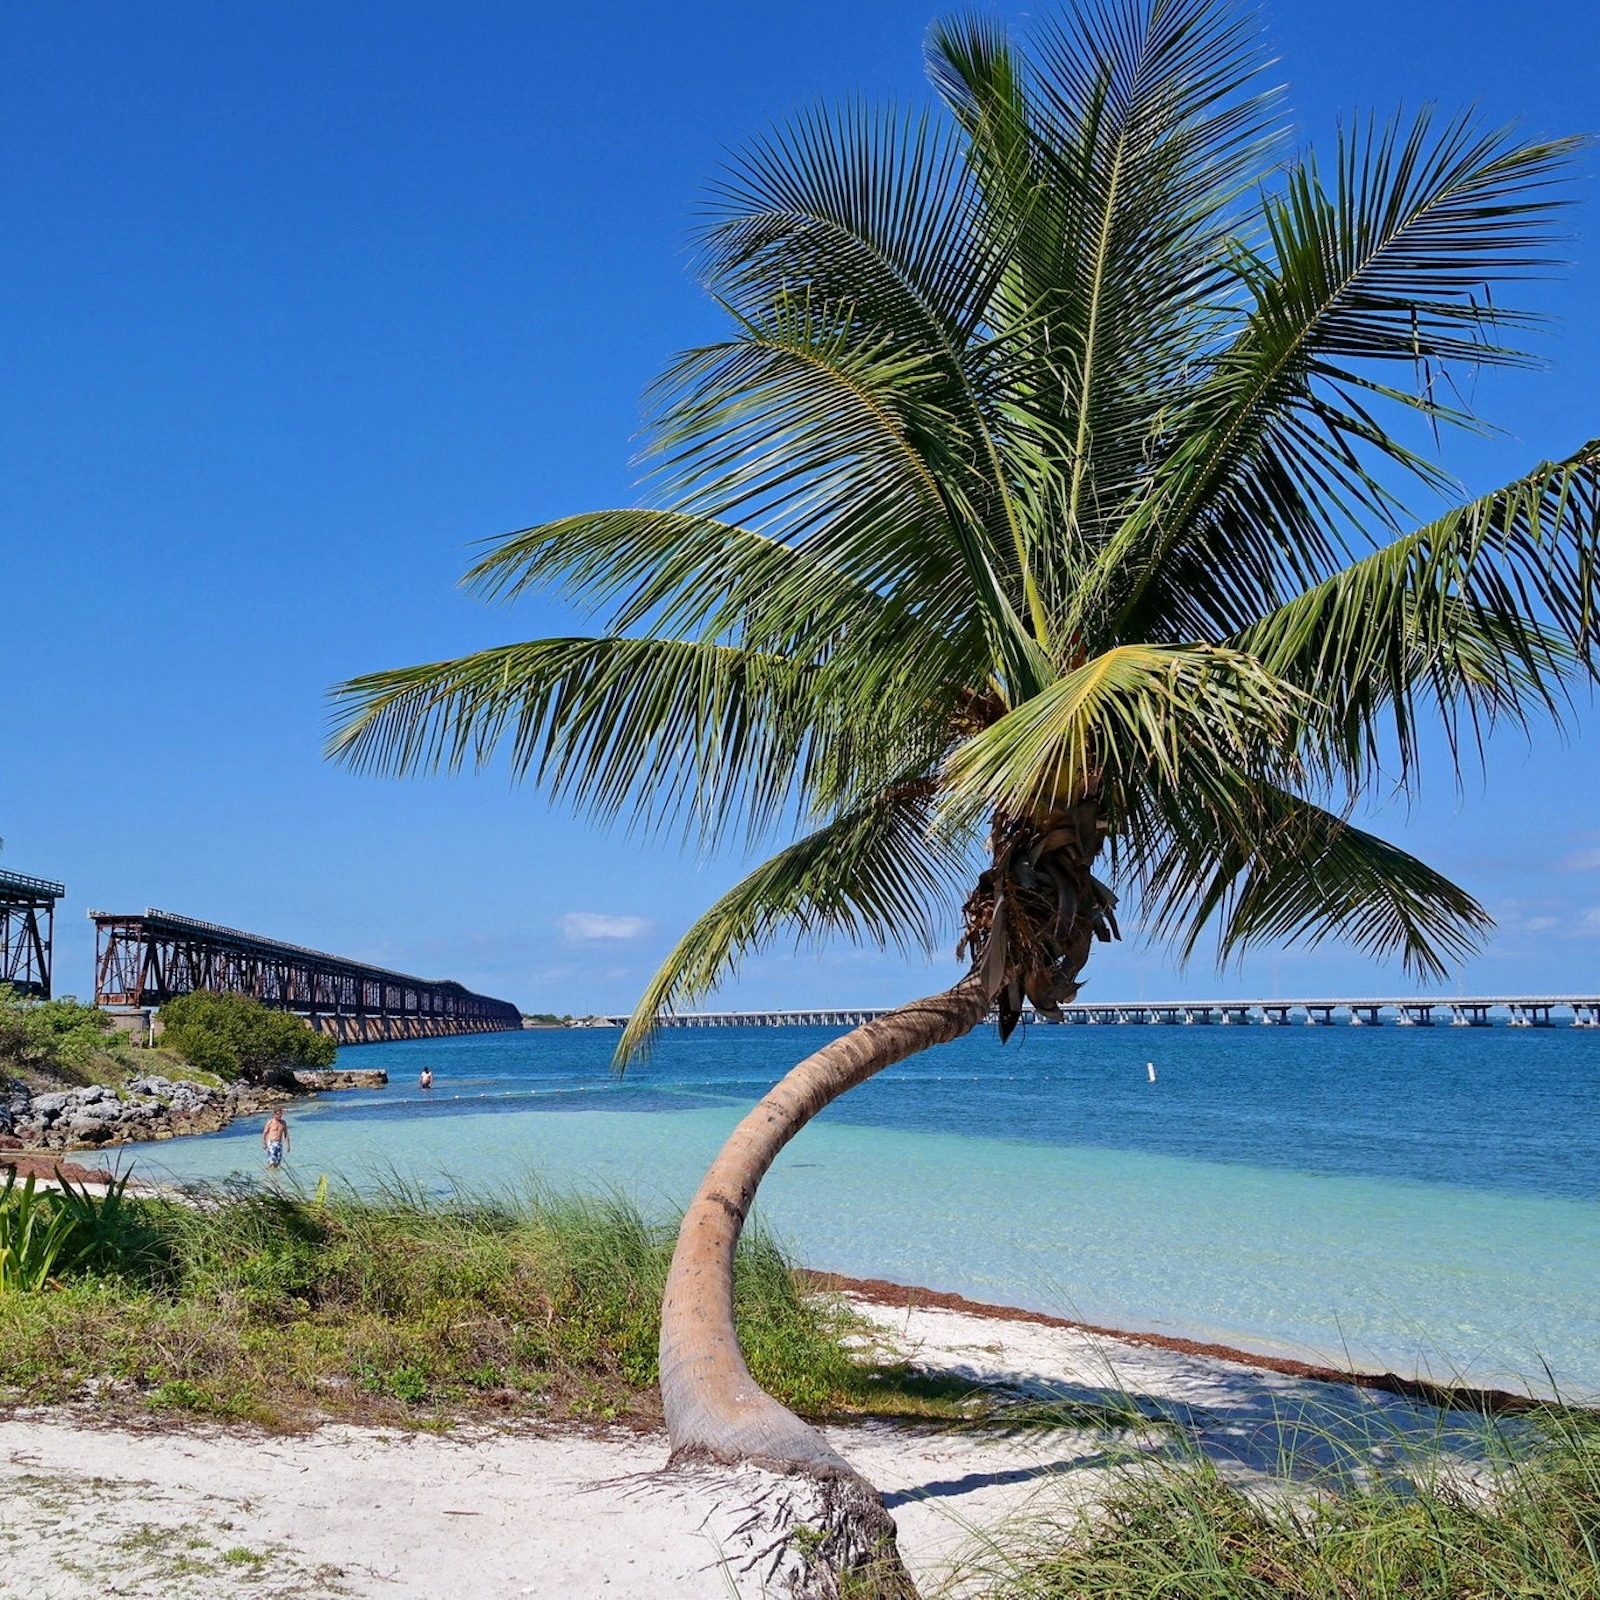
x: 345, y: 1511
x: 210, y: 1513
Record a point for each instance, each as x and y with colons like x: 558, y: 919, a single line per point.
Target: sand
x: 203, y: 1512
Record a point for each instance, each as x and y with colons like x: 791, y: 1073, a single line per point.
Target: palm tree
x: 1041, y: 526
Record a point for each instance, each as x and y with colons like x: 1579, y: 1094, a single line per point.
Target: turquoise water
x: 1419, y: 1199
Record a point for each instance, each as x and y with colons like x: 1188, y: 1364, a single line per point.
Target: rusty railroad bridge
x: 27, y: 932
x: 143, y: 961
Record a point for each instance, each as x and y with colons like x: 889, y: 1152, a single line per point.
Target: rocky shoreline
x: 147, y: 1108
x: 94, y: 1116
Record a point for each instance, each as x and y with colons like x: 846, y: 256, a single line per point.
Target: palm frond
x: 675, y: 571
x: 665, y: 731
x: 1135, y: 714
x: 876, y: 874
x: 870, y: 221
x: 864, y: 211
x: 849, y: 452
x: 1275, y: 463
x: 1114, y: 164
x: 1260, y: 865
x: 1486, y: 614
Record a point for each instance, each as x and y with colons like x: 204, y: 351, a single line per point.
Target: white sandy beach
x: 89, y: 1510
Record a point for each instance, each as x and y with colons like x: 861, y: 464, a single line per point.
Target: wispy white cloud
x: 594, y: 927
x: 1582, y: 860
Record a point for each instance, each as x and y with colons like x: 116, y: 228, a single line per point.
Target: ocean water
x: 1423, y: 1200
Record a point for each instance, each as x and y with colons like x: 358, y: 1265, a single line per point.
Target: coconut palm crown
x: 1040, y: 526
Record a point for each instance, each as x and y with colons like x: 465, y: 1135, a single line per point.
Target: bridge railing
x: 19, y: 883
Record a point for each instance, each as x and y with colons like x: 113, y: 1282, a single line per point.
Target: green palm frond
x: 1259, y: 865
x: 675, y: 571
x: 1115, y: 165
x: 849, y: 453
x: 1136, y: 714
x: 1485, y: 614
x: 868, y: 221
x: 1275, y: 450
x: 865, y: 212
x: 877, y: 874
x: 662, y: 731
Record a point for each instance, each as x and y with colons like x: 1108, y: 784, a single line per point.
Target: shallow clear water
x: 1422, y: 1199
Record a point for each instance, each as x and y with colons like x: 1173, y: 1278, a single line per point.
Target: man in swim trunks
x: 275, y: 1140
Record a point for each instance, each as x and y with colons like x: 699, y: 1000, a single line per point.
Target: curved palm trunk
x: 1030, y: 922
x: 715, y: 1410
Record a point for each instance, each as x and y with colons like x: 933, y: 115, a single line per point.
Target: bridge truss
x: 27, y: 932
x: 143, y: 961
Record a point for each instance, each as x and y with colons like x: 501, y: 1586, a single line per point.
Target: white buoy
x: 1150, y: 1067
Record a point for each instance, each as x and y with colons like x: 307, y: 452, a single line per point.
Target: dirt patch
x: 45, y: 1167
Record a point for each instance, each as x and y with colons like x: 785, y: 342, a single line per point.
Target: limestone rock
x: 341, y: 1078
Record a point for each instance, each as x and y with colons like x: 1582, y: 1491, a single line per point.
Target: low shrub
x: 55, y: 1038
x: 235, y: 1037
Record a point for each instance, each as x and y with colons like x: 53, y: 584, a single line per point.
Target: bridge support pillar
x: 1531, y: 1016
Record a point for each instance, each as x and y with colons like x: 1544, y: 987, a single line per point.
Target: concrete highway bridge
x: 1411, y: 1011
x: 143, y: 961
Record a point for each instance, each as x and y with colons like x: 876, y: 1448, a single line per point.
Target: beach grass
x: 1517, y: 1516
x: 283, y: 1309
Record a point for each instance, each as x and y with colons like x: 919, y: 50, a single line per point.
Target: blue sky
x: 299, y: 301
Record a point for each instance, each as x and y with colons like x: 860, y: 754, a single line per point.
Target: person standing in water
x: 426, y: 1080
x: 275, y: 1139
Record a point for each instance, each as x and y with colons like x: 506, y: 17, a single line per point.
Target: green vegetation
x: 34, y: 1237
x: 1528, y: 1527
x: 44, y: 1234
x: 249, y: 1305
x: 53, y: 1044
x: 58, y: 1039
x: 280, y: 1309
x: 238, y: 1038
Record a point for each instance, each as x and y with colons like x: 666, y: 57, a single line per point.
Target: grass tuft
x: 1522, y: 1520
